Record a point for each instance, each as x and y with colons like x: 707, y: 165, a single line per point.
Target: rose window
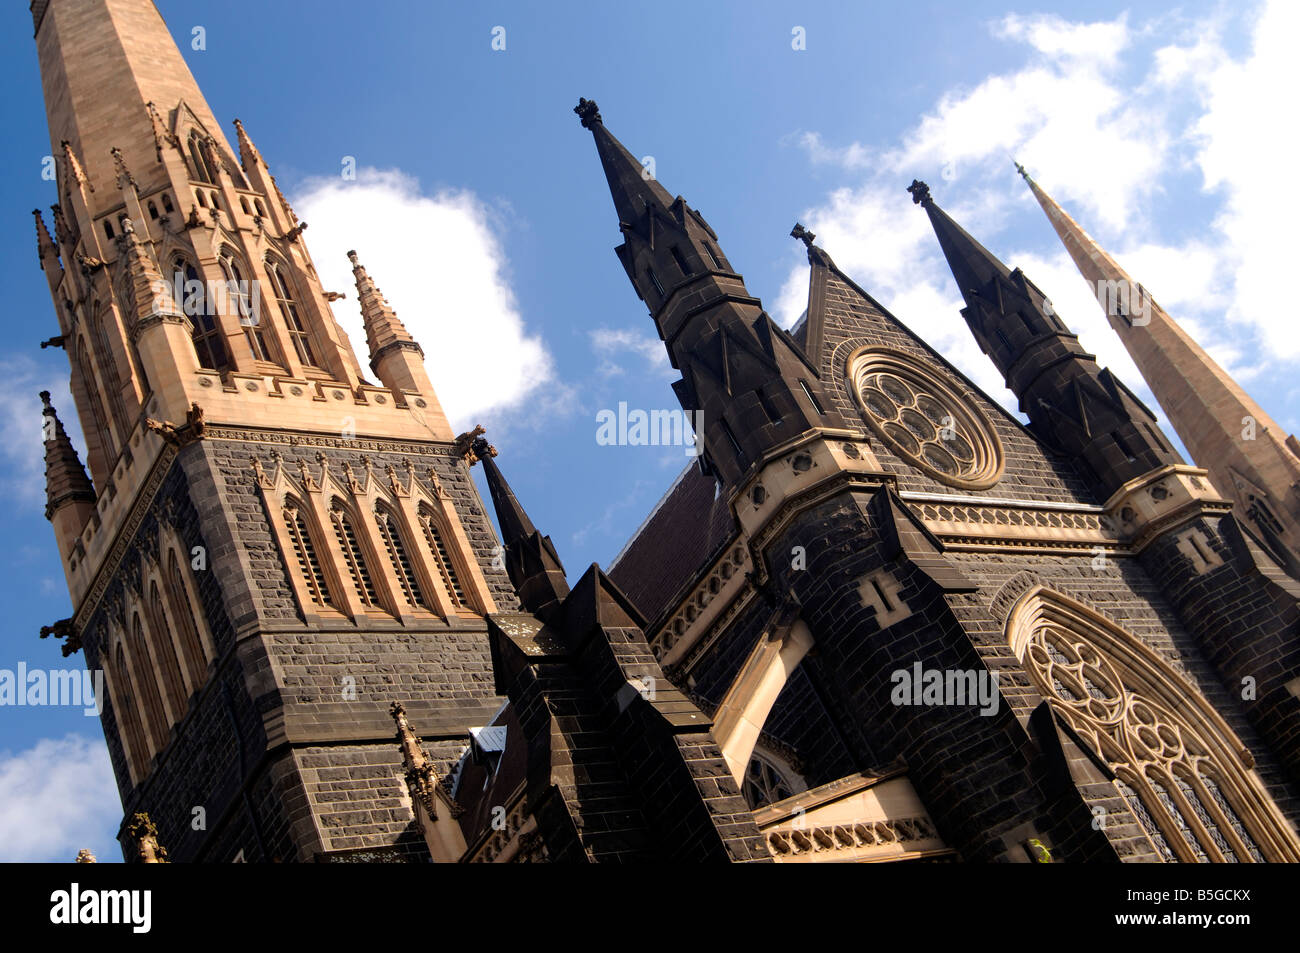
x: 924, y: 421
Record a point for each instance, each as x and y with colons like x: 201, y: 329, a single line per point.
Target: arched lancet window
x: 107, y: 364
x: 345, y: 530
x: 766, y: 782
x: 201, y: 159
x: 161, y: 631
x: 289, y: 311
x: 128, y: 714
x: 146, y: 685
x: 97, y: 417
x: 187, y: 623
x: 209, y: 343
x: 446, y: 567
x: 245, y: 306
x: 1177, y: 763
x: 399, y: 556
x: 304, y: 553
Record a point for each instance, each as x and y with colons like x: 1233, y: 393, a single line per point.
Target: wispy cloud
x: 1105, y: 114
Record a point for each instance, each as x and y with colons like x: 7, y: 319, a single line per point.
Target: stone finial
x: 920, y: 192
x: 421, y: 778
x: 124, y: 176
x: 587, y: 112
x: 802, y: 234
x: 44, y: 243
x: 84, y: 856
x: 75, y: 171
x: 145, y: 834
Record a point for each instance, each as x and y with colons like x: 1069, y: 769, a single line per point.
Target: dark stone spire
x: 746, y: 384
x: 1073, y: 404
x: 65, y: 477
x: 532, y: 563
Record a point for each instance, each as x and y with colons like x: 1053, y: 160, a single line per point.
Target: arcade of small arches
x: 155, y: 648
x: 365, y: 546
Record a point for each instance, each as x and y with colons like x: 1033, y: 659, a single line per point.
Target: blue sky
x: 481, y: 211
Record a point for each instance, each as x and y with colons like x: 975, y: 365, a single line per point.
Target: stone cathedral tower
x: 870, y: 539
x: 270, y: 547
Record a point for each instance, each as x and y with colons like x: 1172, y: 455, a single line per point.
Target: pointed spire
x: 145, y: 834
x: 384, y: 330
x: 152, y: 295
x: 630, y: 183
x: 44, y: 243
x: 1223, y: 428
x: 73, y: 165
x: 124, y: 177
x: 532, y: 563
x: 65, y: 477
x: 442, y: 832
x: 1072, y: 403
x: 85, y: 856
x: 743, y: 378
x: 248, y: 153
x: 973, y: 266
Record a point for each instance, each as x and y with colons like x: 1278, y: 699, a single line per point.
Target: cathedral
x: 880, y: 619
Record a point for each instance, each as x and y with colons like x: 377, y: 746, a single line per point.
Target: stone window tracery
x: 924, y: 421
x: 1178, y: 766
x: 446, y: 568
x: 766, y: 783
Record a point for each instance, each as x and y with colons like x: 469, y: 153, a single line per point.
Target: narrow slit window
x: 812, y: 398
x: 654, y: 280
x: 713, y: 256
x: 680, y: 259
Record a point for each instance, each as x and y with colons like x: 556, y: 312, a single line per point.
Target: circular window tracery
x: 925, y: 421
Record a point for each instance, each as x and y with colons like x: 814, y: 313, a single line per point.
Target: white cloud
x: 1249, y: 118
x: 56, y: 798
x: 439, y: 262
x: 22, y: 450
x: 1105, y: 126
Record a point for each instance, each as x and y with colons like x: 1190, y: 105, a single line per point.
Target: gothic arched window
x: 209, y: 343
x: 1178, y: 765
x: 304, y: 552
x: 187, y: 623
x: 292, y: 317
x: 128, y: 714
x: 201, y: 161
x: 245, y: 306
x: 358, y: 571
x: 173, y: 684
x: 399, y: 556
x: 146, y: 685
x: 99, y: 421
x: 765, y: 782
x: 442, y: 556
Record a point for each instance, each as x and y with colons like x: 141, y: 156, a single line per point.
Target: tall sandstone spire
x: 1248, y: 455
x: 251, y: 489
